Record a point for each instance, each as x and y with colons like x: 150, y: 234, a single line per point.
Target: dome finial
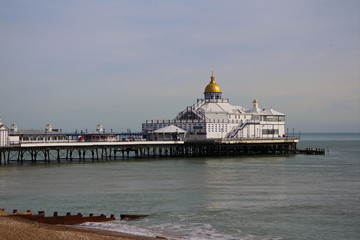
x: 256, y: 103
x: 212, y: 76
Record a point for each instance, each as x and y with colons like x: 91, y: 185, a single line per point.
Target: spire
x: 256, y: 103
x: 212, y: 77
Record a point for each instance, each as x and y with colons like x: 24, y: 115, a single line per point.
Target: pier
x: 210, y: 127
x: 102, y: 151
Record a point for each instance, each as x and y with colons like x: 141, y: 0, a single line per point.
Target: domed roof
x: 255, y: 101
x: 212, y: 86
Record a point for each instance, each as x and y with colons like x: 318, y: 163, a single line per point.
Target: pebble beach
x: 13, y: 228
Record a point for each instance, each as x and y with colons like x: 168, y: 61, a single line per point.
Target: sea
x: 245, y: 197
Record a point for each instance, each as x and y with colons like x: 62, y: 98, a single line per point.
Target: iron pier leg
x: 22, y: 156
x: 6, y: 158
x: 58, y: 155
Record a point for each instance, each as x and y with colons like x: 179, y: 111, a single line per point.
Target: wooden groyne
x: 67, y: 219
x: 100, y: 151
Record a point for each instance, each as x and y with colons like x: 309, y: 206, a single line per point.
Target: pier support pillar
x: 58, y: 155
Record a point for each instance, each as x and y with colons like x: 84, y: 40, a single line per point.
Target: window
x: 273, y: 118
x: 270, y: 131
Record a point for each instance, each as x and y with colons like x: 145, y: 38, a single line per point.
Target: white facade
x: 4, y: 134
x: 215, y: 118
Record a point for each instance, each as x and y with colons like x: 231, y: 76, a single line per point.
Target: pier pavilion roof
x: 267, y: 111
x: 225, y: 107
x: 270, y: 111
x: 35, y: 132
x: 170, y: 129
x: 256, y: 110
x: 2, y: 125
x: 203, y: 108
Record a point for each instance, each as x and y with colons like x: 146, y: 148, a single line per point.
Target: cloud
x: 93, y: 58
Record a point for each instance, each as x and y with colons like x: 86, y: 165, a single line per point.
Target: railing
x: 176, y: 121
x: 217, y: 100
x: 193, y: 109
x: 200, y: 121
x: 236, y: 129
x: 258, y: 138
x: 45, y: 141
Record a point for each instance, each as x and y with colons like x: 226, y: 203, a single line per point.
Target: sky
x: 78, y: 63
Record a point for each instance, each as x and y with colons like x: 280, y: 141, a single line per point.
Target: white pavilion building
x: 214, y: 118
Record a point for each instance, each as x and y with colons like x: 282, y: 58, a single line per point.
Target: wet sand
x: 13, y: 228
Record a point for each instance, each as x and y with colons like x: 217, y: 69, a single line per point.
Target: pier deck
x: 81, y: 151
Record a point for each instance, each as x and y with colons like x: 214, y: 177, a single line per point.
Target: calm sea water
x: 262, y: 197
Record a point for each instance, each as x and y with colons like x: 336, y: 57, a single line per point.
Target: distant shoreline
x: 12, y: 228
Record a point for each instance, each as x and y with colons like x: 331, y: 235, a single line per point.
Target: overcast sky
x: 75, y: 64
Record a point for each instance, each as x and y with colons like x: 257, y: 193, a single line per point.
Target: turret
x: 256, y: 103
x: 99, y: 128
x: 48, y: 127
x: 14, y: 128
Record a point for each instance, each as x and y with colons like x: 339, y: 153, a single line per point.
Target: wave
x: 171, y: 231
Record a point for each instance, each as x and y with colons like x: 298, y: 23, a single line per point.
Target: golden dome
x: 212, y: 86
x: 255, y: 101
